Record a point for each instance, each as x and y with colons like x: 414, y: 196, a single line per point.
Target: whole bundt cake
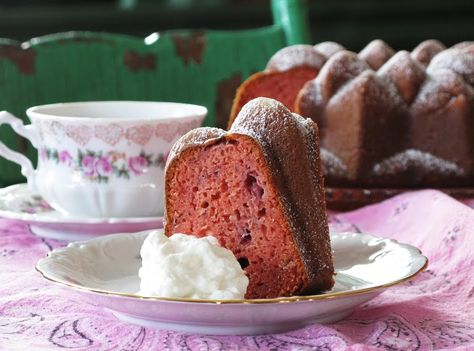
x: 391, y: 119
x: 401, y: 125
x: 258, y: 189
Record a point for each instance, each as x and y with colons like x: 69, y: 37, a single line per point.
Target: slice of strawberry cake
x: 258, y: 189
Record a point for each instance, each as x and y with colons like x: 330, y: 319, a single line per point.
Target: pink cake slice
x: 258, y: 189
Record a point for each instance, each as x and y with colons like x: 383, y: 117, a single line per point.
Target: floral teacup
x: 102, y: 159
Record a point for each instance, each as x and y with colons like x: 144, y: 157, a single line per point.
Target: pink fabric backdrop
x: 433, y: 312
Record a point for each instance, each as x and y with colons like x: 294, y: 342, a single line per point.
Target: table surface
x: 434, y: 311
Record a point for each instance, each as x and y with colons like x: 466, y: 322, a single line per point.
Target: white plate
x: 105, y: 269
x: 19, y: 203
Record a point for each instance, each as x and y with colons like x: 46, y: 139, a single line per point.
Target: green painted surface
x: 292, y: 15
x: 201, y: 67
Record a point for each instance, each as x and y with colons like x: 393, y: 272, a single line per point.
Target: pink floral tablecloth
x: 433, y: 312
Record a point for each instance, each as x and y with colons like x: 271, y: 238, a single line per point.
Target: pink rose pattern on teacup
x: 101, y: 166
x: 65, y: 158
x: 137, y: 164
x: 35, y: 205
x: 112, y: 134
x: 87, y: 164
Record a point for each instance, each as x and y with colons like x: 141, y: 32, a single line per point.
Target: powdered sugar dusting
x: 260, y: 114
x: 295, y: 56
x: 376, y: 53
x: 270, y: 123
x: 339, y: 69
x: 406, y: 73
x: 426, y: 50
x: 328, y: 48
x: 437, y: 91
x: 462, y: 45
x: 310, y: 96
x: 372, y: 87
x: 399, y: 63
x: 194, y: 137
x: 303, y: 124
x: 460, y: 60
x: 309, y: 135
x: 416, y: 159
x: 256, y: 115
x: 332, y: 165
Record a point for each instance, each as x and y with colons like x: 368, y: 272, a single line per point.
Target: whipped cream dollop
x: 185, y: 266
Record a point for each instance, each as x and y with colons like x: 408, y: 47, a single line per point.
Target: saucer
x: 105, y: 270
x: 19, y: 203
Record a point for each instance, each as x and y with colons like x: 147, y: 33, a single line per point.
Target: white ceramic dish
x: 19, y: 203
x: 105, y: 269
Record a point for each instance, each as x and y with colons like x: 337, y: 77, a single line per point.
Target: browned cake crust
x: 376, y: 53
x: 315, y: 94
x: 406, y: 73
x: 291, y: 146
x: 459, y: 59
x: 426, y: 50
x: 442, y: 124
x: 328, y: 48
x: 365, y: 124
x: 285, y: 149
x: 402, y: 125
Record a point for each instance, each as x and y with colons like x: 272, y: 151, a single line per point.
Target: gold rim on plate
x: 243, y: 301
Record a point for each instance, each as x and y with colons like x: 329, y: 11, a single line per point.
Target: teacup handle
x: 27, y: 132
